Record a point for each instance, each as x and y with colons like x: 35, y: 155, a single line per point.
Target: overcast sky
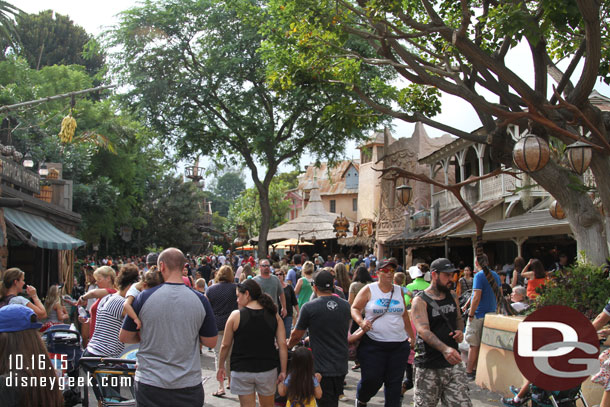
x: 95, y: 17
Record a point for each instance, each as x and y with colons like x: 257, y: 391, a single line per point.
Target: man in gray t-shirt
x: 327, y: 318
x: 271, y: 285
x: 175, y: 320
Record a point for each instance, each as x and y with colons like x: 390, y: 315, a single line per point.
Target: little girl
x: 56, y: 312
x: 302, y: 386
x: 152, y: 278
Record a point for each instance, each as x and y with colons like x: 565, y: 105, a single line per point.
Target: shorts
x: 447, y: 385
x: 474, y: 330
x: 263, y: 383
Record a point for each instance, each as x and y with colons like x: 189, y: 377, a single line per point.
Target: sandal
x: 219, y: 393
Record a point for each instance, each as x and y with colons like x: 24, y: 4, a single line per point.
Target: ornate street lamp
x: 405, y: 193
x: 28, y: 162
x: 531, y: 153
x: 556, y: 210
x: 579, y: 156
x: 43, y: 171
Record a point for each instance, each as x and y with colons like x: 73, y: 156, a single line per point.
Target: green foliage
x: 225, y: 189
x: 7, y: 23
x: 171, y: 209
x: 246, y: 209
x: 196, y: 73
x: 583, y: 287
x: 48, y: 38
x: 291, y: 178
x: 216, y: 249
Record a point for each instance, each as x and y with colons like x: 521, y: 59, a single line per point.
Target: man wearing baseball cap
x: 436, y: 313
x: 327, y: 318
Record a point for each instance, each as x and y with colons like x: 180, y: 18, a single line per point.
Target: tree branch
x: 590, y: 15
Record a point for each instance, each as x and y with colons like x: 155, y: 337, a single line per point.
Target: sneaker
x: 509, y: 401
x: 359, y: 404
x: 471, y: 376
x: 341, y: 397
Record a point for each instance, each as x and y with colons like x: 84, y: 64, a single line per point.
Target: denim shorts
x: 263, y: 383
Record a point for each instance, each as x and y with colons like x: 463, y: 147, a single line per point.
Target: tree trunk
x: 585, y: 220
x: 263, y: 194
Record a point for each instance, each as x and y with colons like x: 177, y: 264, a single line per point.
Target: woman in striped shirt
x: 110, y: 314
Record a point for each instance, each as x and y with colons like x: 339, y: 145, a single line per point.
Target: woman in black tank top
x: 254, y: 330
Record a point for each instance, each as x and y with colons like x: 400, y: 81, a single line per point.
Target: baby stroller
x: 113, y: 378
x: 556, y: 398
x: 563, y: 398
x: 64, y: 346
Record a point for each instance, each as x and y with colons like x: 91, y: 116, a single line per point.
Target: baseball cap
x: 152, y: 258
x: 16, y: 317
x: 442, y: 265
x: 323, y: 280
x: 415, y: 272
x: 391, y: 262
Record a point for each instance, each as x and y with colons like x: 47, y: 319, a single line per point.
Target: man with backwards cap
x: 327, y: 318
x: 439, y: 374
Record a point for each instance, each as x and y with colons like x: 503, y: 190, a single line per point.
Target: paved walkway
x: 480, y: 397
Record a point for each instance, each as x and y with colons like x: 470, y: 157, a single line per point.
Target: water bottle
x: 82, y: 312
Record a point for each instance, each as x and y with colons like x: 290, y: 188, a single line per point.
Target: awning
x: 43, y: 234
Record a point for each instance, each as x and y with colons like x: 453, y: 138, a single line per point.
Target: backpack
x: 5, y: 300
x: 298, y: 274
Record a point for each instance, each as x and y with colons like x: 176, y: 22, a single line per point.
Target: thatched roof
x: 314, y: 221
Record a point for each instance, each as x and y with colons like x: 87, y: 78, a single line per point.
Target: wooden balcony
x: 500, y: 186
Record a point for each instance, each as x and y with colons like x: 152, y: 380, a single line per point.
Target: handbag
x: 353, y: 340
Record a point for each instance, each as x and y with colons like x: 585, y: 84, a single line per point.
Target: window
x: 351, y: 178
x: 355, y: 204
x: 333, y: 206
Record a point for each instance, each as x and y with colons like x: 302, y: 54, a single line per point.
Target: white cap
x: 415, y: 272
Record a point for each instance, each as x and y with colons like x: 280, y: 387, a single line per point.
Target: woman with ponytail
x: 253, y: 331
x: 13, y: 282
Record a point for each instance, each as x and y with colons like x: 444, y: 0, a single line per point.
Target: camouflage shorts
x: 447, y: 385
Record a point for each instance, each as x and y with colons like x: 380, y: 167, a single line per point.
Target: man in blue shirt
x: 483, y: 301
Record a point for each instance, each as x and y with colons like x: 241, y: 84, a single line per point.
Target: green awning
x: 43, y: 233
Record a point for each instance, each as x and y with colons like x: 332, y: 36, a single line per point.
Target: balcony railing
x: 500, y: 186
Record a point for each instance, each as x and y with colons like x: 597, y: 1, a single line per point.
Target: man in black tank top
x: 439, y: 375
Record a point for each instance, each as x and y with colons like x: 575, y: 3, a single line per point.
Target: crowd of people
x: 280, y: 328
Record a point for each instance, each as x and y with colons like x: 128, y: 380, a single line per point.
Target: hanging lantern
x: 313, y: 239
x: 556, y: 210
x: 405, y: 193
x: 531, y: 153
x: 579, y: 156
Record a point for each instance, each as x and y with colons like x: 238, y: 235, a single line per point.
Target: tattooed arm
x: 422, y: 326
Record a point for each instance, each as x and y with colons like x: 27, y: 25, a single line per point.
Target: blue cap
x: 15, y: 318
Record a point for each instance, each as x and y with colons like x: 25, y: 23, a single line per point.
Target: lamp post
x: 579, y: 156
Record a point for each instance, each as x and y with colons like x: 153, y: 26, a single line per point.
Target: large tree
x: 461, y: 48
x: 49, y: 38
x: 194, y: 71
x: 225, y: 189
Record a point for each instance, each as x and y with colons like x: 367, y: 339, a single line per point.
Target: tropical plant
x: 584, y: 287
